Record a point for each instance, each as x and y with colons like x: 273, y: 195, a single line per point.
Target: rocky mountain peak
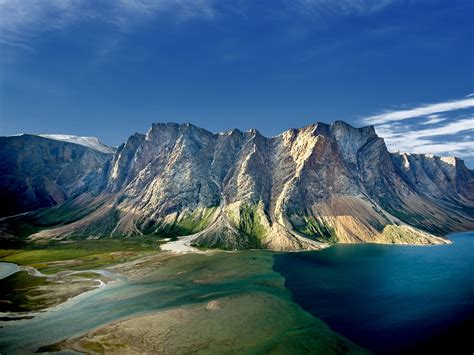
x: 302, y: 189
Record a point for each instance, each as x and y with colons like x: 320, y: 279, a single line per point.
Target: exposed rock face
x: 303, y: 189
x: 38, y: 172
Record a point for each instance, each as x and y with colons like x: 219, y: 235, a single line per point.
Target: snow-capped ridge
x: 90, y: 142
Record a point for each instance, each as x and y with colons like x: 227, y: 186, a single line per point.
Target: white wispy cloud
x: 433, y: 119
x: 411, y: 138
x: 341, y: 7
x: 425, y: 110
x: 459, y: 149
x: 430, y: 141
x: 429, y: 129
x: 21, y: 19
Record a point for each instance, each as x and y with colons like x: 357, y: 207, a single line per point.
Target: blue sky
x: 111, y: 68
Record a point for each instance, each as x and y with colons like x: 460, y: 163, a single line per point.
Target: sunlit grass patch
x: 79, y: 254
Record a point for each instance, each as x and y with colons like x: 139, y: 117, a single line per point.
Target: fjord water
x: 387, y: 298
x: 390, y: 298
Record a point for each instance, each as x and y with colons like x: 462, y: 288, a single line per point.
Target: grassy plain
x: 79, y: 255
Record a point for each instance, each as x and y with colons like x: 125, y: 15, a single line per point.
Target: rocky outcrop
x: 38, y: 172
x: 303, y: 189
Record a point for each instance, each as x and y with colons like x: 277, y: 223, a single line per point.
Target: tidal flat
x: 164, y: 302
x: 39, y: 277
x: 344, y: 299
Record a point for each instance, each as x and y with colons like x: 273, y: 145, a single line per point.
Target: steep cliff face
x: 445, y: 178
x: 441, y: 192
x: 38, y: 172
x: 303, y: 189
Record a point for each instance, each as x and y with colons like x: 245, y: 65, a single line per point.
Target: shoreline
x: 181, y: 245
x: 57, y: 291
x: 175, y: 248
x: 173, y: 266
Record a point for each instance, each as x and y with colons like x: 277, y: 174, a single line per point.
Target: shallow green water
x: 201, y: 278
x: 382, y: 297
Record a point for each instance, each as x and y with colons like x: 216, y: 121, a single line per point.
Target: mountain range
x: 305, y: 188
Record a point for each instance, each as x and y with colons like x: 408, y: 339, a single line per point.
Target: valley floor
x: 155, y: 301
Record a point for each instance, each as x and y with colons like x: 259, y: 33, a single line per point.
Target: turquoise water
x: 386, y: 298
x: 390, y: 298
x: 7, y: 269
x: 155, y: 292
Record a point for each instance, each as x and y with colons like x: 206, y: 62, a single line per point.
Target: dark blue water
x: 389, y: 298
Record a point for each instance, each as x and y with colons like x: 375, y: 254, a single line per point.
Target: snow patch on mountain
x: 91, y: 142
